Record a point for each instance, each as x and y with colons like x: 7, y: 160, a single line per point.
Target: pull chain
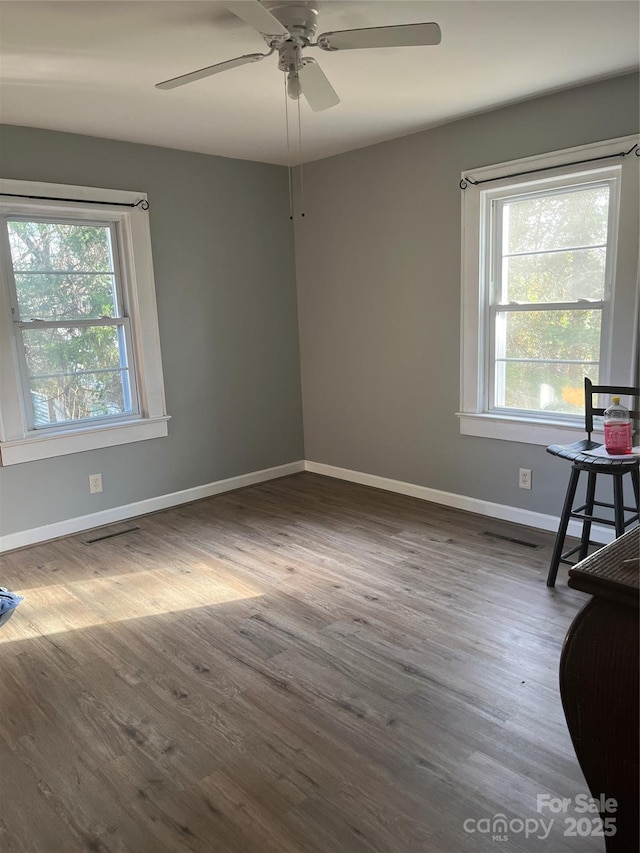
x: 300, y: 160
x: 286, y: 118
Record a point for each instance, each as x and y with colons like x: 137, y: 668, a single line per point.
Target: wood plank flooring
x: 303, y: 666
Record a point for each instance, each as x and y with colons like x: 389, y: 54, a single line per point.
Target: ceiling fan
x: 289, y: 29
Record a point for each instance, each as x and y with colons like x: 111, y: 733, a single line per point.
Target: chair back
x: 590, y: 390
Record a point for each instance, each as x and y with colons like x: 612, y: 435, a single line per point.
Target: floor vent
x: 515, y: 541
x: 108, y: 534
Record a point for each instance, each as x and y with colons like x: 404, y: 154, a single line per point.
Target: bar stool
x: 623, y: 515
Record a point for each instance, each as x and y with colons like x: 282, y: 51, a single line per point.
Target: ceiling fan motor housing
x: 300, y: 19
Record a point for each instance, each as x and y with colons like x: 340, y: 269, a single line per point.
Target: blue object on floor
x: 8, y: 603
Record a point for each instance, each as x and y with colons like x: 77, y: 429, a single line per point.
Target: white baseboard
x: 526, y: 517
x: 122, y: 513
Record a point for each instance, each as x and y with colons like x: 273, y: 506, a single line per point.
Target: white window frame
x: 20, y: 441
x: 620, y: 312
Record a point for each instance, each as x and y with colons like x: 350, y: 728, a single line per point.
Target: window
x: 81, y: 360
x: 549, y: 293
x: 73, y: 336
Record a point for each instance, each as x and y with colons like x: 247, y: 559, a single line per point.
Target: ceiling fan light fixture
x: 294, y: 87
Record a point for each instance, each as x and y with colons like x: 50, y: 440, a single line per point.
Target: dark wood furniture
x: 623, y: 516
x: 599, y: 681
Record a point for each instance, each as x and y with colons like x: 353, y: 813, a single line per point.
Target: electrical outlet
x: 95, y: 483
x: 524, y: 478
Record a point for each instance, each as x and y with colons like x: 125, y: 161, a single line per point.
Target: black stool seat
x: 576, y: 453
x: 623, y: 516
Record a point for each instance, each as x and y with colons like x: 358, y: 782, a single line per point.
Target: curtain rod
x: 143, y: 204
x: 464, y: 183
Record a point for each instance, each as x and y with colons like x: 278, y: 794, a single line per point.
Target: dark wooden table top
x: 613, y: 572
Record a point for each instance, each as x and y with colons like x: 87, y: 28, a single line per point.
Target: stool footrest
x: 608, y: 505
x: 583, y: 516
x: 571, y: 551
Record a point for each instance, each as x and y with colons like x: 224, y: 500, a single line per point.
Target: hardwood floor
x: 303, y: 666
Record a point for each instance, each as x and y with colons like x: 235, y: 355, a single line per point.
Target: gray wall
x: 378, y: 274
x: 225, y: 282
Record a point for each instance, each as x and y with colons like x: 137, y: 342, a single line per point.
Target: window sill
x: 47, y: 445
x: 508, y: 428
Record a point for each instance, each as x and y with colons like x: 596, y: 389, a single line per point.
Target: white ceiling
x: 90, y: 68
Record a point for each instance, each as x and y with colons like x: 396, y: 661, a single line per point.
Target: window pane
x: 65, y: 297
x: 45, y: 246
x: 75, y: 396
x: 556, y: 277
x: 73, y: 349
x: 573, y: 335
x: 77, y: 372
x: 543, y: 387
x: 556, y: 221
x: 63, y: 271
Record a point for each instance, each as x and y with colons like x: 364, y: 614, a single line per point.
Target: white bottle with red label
x: 617, y: 429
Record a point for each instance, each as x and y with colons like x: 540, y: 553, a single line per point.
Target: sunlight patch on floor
x: 101, y: 601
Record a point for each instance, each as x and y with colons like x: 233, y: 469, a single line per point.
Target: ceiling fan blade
x: 210, y: 69
x: 254, y: 14
x: 318, y: 91
x: 403, y: 35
